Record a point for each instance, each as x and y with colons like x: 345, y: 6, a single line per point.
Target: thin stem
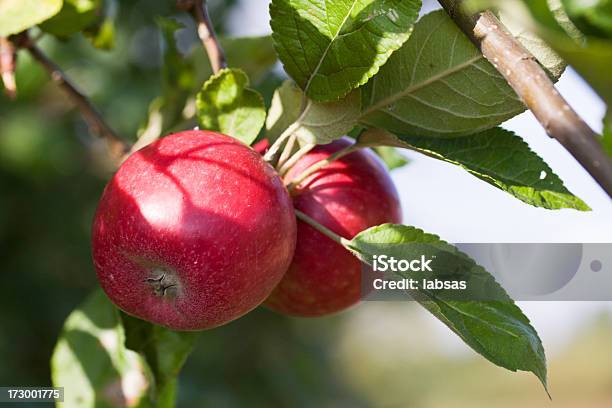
x: 322, y: 229
x: 529, y: 80
x: 207, y: 35
x: 280, y: 141
x: 271, y: 154
x: 320, y: 164
x: 287, y: 150
x: 294, y: 159
x: 97, y: 125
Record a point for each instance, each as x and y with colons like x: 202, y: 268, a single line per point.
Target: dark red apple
x: 193, y: 231
x: 347, y: 196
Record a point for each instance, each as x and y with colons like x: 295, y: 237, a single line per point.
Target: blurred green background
x: 51, y: 175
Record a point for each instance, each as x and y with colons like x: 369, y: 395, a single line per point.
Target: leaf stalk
x: 294, y: 159
x: 280, y: 141
x: 287, y: 150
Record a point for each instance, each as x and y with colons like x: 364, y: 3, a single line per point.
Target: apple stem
x: 280, y: 141
x: 287, y: 150
x: 322, y: 229
x: 296, y: 156
x: 320, y: 164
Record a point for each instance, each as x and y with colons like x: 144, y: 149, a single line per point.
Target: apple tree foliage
x: 369, y: 68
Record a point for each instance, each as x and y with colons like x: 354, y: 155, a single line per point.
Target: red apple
x: 262, y: 146
x: 193, y: 231
x: 347, y: 196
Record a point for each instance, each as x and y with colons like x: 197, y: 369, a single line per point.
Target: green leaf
x: 227, y: 105
x: 438, y: 84
x: 324, y: 122
x: 74, y: 17
x: 102, y: 33
x: 318, y: 122
x: 496, y: 156
x: 19, y: 15
x: 391, y: 156
x: 496, y: 329
x: 332, y: 47
x: 91, y: 361
x: 284, y: 109
x: 182, y: 76
x: 165, y: 351
x: 102, y: 36
x: 592, y: 17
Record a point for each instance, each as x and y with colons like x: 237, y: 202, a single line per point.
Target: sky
x: 443, y: 199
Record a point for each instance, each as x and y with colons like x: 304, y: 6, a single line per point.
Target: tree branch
x: 534, y: 87
x: 206, y: 32
x: 97, y: 125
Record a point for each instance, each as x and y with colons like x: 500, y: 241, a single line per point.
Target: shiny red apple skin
x: 262, y: 146
x: 347, y: 196
x: 193, y: 231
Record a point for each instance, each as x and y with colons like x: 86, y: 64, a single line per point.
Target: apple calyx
x: 164, y: 283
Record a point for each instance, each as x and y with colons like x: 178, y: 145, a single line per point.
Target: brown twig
x: 206, y: 32
x: 534, y: 87
x: 97, y: 125
x: 7, y: 67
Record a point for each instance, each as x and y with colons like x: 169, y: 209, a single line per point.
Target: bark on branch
x: 206, y: 32
x: 534, y: 87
